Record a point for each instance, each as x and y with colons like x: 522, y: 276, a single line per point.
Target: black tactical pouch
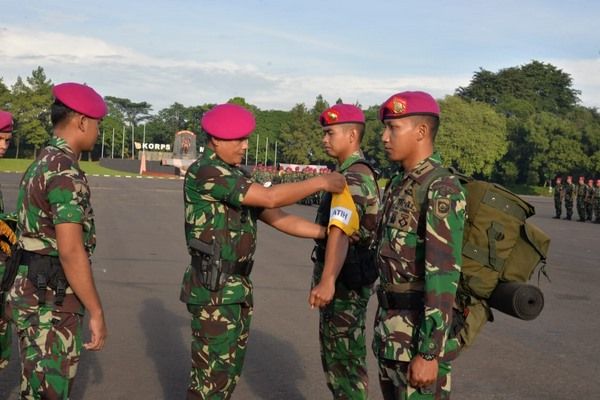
x: 206, y: 265
x: 46, y: 272
x: 359, y: 269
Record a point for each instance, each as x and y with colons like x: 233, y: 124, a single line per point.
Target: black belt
x: 232, y: 268
x: 45, y: 272
x: 400, y: 301
x: 28, y: 257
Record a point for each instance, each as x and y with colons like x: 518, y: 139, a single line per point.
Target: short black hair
x: 360, y: 128
x: 59, y: 113
x: 433, y: 122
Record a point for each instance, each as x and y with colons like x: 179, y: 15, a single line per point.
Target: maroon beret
x: 81, y: 98
x: 342, y: 114
x: 228, y: 121
x: 405, y: 104
x: 6, y: 121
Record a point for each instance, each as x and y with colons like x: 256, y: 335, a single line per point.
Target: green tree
x: 301, y: 138
x: 28, y: 115
x: 133, y: 113
x: 546, y: 145
x: 372, y: 145
x: 472, y: 136
x: 543, y: 86
x: 5, y: 96
x: 269, y: 124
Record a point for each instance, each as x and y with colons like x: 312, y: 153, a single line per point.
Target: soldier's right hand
x: 322, y: 294
x: 98, y: 332
x: 334, y: 182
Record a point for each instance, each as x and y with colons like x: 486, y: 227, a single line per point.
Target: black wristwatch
x: 428, y: 357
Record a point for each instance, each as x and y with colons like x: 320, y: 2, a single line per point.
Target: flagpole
x: 132, y: 142
x: 123, y: 145
x: 266, y: 150
x: 256, y: 158
x: 275, y: 162
x: 112, y: 145
x: 102, y: 151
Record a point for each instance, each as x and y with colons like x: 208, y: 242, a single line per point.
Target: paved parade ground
x: 141, y: 256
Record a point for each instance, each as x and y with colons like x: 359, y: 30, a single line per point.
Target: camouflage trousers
x: 589, y: 210
x: 581, y: 210
x: 343, y: 343
x: 394, y: 385
x: 50, y: 343
x: 5, y: 335
x: 569, y: 207
x: 219, y: 337
x: 557, y: 206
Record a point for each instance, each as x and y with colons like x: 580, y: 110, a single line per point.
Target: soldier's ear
x: 82, y: 122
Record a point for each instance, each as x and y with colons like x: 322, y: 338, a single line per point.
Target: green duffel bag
x: 499, y: 246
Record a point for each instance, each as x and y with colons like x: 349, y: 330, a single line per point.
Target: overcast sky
x: 279, y: 53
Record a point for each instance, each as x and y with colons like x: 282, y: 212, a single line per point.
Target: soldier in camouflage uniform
x: 559, y: 194
x: 342, y: 281
x: 597, y: 202
x: 418, y: 255
x: 222, y: 206
x: 589, y: 200
x: 581, y: 192
x: 570, y: 191
x: 6, y: 125
x: 56, y: 235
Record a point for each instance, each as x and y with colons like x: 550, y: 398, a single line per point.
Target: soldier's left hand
x: 421, y: 372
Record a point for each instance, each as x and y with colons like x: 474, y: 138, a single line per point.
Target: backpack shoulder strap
x: 423, y: 187
x: 357, y: 166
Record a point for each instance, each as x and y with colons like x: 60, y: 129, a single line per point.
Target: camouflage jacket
x: 570, y: 190
x: 559, y: 191
x: 53, y: 190
x: 213, y: 192
x: 407, y: 253
x: 581, y: 192
x: 365, y: 193
x: 589, y: 194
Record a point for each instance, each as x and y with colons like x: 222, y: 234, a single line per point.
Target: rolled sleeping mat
x: 517, y: 299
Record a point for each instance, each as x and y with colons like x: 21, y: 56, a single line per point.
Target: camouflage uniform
x: 213, y: 195
x: 429, y: 255
x: 5, y: 339
x: 559, y: 194
x: 581, y: 192
x: 569, y: 190
x: 597, y: 203
x: 342, y: 322
x: 589, y: 201
x: 5, y: 330
x: 53, y: 190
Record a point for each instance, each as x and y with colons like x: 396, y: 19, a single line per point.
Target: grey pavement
x: 141, y: 257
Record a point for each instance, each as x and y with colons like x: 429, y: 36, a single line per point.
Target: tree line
x: 519, y: 125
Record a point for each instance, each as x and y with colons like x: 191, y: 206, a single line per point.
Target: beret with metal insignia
x: 81, y: 98
x: 405, y: 104
x: 342, y: 114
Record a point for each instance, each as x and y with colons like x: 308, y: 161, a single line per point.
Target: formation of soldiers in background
x: 584, y: 194
x: 270, y: 175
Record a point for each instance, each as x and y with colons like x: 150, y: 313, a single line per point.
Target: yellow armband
x: 343, y: 213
